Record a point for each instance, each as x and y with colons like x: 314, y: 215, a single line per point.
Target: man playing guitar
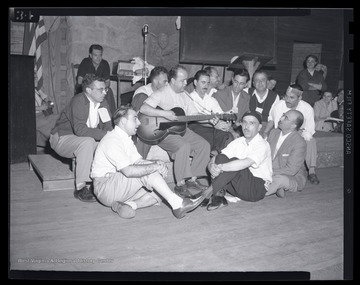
x: 180, y: 147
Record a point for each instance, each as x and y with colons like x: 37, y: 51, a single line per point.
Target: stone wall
x: 122, y: 39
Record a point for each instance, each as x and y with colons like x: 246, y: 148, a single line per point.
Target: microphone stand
x: 145, y: 31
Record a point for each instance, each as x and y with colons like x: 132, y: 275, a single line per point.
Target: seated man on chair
x: 95, y: 64
x: 288, y: 150
x: 215, y: 131
x: 234, y: 99
x: 214, y: 85
x: 158, y: 78
x: 180, y: 147
x: 120, y: 173
x: 262, y: 99
x: 81, y: 125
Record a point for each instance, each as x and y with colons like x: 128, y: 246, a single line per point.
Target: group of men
x: 246, y: 157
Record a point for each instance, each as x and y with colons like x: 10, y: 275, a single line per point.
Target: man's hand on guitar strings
x: 170, y: 115
x: 223, y: 126
x: 214, y: 120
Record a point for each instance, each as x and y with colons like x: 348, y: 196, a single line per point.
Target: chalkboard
x: 216, y: 40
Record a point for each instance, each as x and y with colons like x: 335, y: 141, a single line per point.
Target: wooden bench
x: 53, y: 174
x: 330, y: 148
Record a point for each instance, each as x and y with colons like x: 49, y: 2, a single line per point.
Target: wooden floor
x: 302, y: 232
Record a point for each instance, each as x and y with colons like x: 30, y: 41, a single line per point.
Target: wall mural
x: 162, y: 50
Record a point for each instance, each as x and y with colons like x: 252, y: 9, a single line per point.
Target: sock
x: 312, y: 170
x: 175, y: 201
x: 132, y: 204
x: 80, y: 185
x: 182, y: 182
x: 192, y: 179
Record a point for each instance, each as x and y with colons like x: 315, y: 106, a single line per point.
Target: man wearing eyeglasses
x: 81, y: 125
x: 95, y: 64
x: 293, y: 101
x: 288, y: 150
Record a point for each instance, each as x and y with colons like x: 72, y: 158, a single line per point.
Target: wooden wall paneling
x: 300, y: 51
x: 324, y: 27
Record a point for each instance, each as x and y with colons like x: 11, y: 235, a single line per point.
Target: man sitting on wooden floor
x: 243, y: 168
x: 288, y: 150
x: 120, y: 173
x: 293, y: 101
x: 84, y: 122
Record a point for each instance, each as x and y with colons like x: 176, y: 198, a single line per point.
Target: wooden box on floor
x: 54, y: 174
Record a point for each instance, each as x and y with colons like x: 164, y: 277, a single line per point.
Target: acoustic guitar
x: 154, y: 129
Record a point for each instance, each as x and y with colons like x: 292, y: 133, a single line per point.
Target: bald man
x: 288, y: 151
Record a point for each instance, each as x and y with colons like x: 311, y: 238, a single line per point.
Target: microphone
x: 145, y: 29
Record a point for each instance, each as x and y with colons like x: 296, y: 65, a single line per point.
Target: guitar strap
x: 202, y: 107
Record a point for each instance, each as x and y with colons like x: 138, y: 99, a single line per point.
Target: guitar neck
x: 194, y: 118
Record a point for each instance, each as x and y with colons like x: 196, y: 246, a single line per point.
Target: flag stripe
x: 34, y: 36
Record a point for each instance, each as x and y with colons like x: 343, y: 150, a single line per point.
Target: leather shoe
x: 189, y: 205
x: 221, y: 193
x: 195, y: 184
x: 123, y: 210
x: 85, y: 194
x: 205, y: 202
x: 183, y: 191
x: 313, y: 178
x: 280, y: 193
x: 217, y: 202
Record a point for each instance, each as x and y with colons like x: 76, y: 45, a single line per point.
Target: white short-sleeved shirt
x: 144, y: 89
x: 115, y: 151
x: 166, y: 98
x: 305, y: 108
x: 258, y: 150
x: 206, y: 105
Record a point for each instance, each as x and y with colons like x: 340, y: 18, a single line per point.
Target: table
x: 118, y: 79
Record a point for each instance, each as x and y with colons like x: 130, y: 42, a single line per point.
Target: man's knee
x: 206, y: 146
x: 149, y: 180
x: 88, y: 143
x: 282, y: 181
x: 222, y: 158
x: 286, y: 182
x: 185, y: 147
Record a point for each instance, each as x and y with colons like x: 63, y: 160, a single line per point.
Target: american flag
x: 34, y: 35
